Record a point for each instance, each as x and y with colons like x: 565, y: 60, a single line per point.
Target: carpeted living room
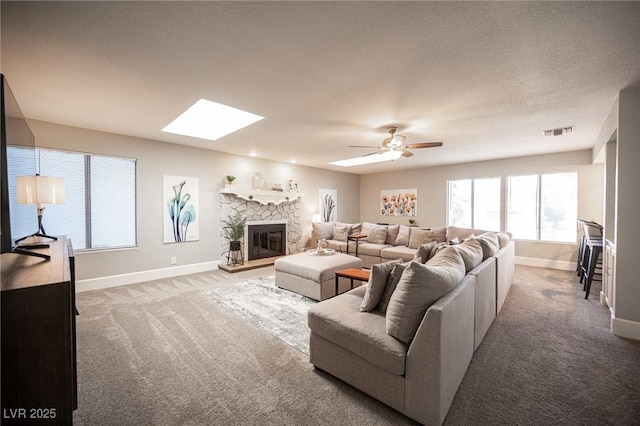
x: 330, y: 213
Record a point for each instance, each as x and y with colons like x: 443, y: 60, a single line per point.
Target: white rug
x: 279, y: 312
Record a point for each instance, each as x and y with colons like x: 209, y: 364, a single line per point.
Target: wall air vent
x: 559, y: 131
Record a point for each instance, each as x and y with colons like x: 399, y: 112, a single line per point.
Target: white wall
x: 432, y: 195
x: 627, y: 214
x: 155, y: 159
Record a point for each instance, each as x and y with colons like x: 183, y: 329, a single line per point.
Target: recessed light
x: 252, y: 154
x: 293, y: 161
x: 210, y: 120
x: 368, y: 159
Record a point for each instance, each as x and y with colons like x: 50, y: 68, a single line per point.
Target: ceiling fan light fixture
x: 397, y: 141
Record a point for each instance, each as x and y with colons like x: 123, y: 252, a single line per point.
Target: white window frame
x: 539, y: 205
x: 473, y: 181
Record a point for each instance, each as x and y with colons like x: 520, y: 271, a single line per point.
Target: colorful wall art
x: 180, y: 209
x: 328, y: 202
x: 399, y: 202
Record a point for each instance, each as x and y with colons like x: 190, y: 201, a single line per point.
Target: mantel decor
x: 265, y: 197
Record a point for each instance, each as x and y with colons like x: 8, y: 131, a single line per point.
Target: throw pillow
x: 392, y: 234
x: 377, y: 236
x: 403, y: 235
x: 424, y: 236
x: 490, y: 244
x: 503, y: 238
x: 340, y: 233
x: 392, y: 283
x: 419, y: 287
x: 457, y: 232
x: 471, y: 253
x: 322, y: 230
x: 424, y: 252
x: 356, y: 228
x: 367, y: 227
x: 376, y: 285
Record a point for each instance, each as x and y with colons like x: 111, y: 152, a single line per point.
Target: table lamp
x: 39, y: 190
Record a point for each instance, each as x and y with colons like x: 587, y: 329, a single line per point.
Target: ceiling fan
x: 395, y: 143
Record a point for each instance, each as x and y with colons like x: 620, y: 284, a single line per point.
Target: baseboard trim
x: 625, y: 328
x: 562, y: 265
x: 138, y: 277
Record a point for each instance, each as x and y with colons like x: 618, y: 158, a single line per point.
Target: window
x: 100, y: 199
x: 474, y: 203
x: 543, y: 207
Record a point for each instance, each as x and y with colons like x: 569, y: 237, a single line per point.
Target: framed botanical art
x: 180, y: 209
x: 399, y: 202
x: 328, y: 202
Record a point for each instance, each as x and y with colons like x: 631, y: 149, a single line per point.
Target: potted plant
x: 412, y: 222
x: 229, y: 181
x: 233, y: 228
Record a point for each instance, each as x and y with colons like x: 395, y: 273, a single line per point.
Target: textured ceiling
x: 485, y: 78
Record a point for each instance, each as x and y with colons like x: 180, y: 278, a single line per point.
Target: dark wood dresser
x: 38, y: 361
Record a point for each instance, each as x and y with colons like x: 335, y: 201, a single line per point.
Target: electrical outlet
x: 173, y: 260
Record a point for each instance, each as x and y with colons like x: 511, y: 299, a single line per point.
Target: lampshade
x: 40, y: 190
x: 316, y: 218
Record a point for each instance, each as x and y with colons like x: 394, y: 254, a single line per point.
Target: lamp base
x: 37, y: 234
x: 20, y: 250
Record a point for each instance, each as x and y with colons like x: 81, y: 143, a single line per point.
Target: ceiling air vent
x: 559, y: 131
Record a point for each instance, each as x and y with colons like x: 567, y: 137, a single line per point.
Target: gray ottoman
x: 313, y: 276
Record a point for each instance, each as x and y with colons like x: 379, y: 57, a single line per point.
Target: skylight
x: 210, y: 120
x: 368, y: 159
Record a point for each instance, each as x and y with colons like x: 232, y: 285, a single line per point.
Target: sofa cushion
x: 375, y: 286
x: 323, y: 230
x: 392, y: 283
x: 404, y: 233
x: 339, y: 246
x: 419, y: 287
x: 392, y: 234
x: 340, y: 233
x: 377, y: 235
x: 370, y: 249
x: 397, y: 252
x: 490, y: 244
x: 471, y: 253
x: 363, y: 333
x: 425, y: 252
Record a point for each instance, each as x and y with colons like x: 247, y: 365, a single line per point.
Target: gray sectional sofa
x: 420, y: 376
x: 399, y: 241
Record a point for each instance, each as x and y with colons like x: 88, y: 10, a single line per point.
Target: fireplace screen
x: 266, y: 241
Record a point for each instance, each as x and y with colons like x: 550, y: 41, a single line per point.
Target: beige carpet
x: 163, y: 353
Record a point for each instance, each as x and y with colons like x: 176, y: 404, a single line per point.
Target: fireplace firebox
x: 267, y: 240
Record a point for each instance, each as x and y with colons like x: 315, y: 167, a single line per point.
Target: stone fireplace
x: 269, y: 212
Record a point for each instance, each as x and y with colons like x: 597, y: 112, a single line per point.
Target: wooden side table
x: 356, y: 238
x: 352, y: 274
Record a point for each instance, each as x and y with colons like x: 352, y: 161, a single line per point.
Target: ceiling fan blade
x: 380, y: 151
x: 363, y: 146
x: 423, y: 145
x: 406, y: 153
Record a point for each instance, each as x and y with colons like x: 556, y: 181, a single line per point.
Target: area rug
x: 279, y: 312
